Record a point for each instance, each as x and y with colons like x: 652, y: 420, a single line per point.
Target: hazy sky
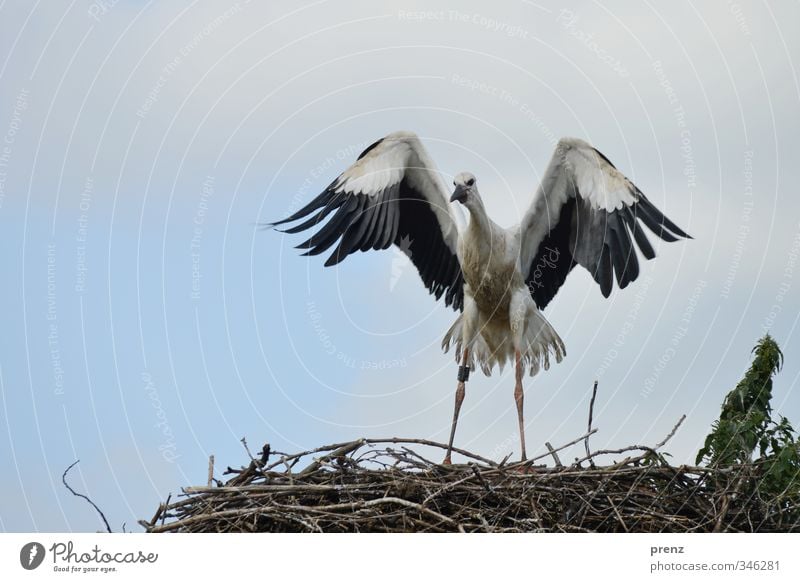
x: 149, y: 323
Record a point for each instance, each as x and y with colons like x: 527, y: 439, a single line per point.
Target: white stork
x: 584, y: 212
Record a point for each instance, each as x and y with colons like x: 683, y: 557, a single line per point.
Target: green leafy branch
x: 746, y: 433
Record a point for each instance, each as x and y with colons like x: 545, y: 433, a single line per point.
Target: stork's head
x: 466, y: 190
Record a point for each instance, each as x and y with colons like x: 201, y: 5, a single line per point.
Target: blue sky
x: 149, y: 323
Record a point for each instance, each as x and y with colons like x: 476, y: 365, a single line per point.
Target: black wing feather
x: 641, y: 238
x: 554, y: 260
x: 419, y: 233
x: 372, y: 220
x: 328, y: 196
x: 397, y: 215
x: 600, y: 240
x: 604, y: 272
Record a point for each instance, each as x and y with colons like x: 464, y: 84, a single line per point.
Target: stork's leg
x: 463, y: 374
x: 519, y: 398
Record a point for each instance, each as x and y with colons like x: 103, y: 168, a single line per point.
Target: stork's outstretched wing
x: 586, y: 212
x: 392, y: 194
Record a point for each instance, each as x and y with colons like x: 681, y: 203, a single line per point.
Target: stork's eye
x: 471, y: 182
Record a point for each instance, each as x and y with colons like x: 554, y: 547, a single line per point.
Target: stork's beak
x: 459, y: 194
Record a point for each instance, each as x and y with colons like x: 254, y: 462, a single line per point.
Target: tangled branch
x: 390, y: 485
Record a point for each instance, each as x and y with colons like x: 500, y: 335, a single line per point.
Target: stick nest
x: 387, y: 485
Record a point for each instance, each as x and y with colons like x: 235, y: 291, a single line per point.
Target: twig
x: 477, y: 472
x: 619, y: 451
x: 376, y: 441
x: 425, y: 462
x: 210, y: 470
x: 646, y: 449
x: 265, y: 453
x: 554, y: 453
x: 561, y: 448
x: 166, y: 505
x: 589, y: 426
x: 382, y: 500
x: 671, y: 433
x: 285, y: 459
x: 432, y: 444
x: 76, y: 494
x: 340, y: 452
x: 243, y: 440
x: 616, y: 511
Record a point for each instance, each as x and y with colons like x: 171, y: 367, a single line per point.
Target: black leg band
x: 463, y: 373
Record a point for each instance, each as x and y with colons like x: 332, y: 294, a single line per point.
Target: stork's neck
x: 479, y: 220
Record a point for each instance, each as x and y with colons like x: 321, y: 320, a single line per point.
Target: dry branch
x: 389, y: 485
x: 82, y: 496
x: 589, y: 425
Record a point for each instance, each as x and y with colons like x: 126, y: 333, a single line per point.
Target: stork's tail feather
x: 479, y: 351
x: 539, y: 343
